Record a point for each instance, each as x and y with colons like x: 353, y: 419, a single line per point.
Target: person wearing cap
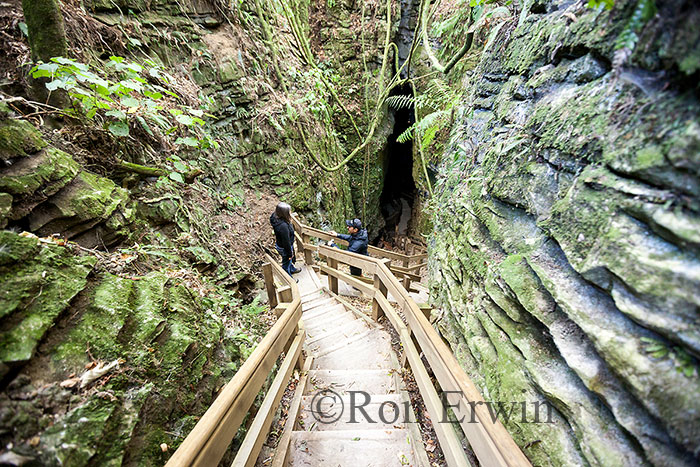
x: 357, y: 240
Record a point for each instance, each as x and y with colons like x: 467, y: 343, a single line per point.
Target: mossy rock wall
x: 166, y: 347
x: 565, y: 251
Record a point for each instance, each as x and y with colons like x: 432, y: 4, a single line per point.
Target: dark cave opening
x: 399, y: 189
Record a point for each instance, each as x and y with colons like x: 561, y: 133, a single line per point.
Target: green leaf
x: 176, y: 176
x: 23, y: 27
x: 116, y: 59
x: 660, y: 353
x: 136, y: 68
x: 55, y: 84
x: 44, y: 70
x: 175, y: 111
x: 188, y: 141
x: 144, y: 125
x: 196, y: 112
x: 117, y: 114
x: 180, y: 166
x: 152, y: 95
x: 91, y: 113
x: 154, y: 72
x: 130, y: 102
x: 184, y: 119
x: 135, y: 42
x: 119, y: 129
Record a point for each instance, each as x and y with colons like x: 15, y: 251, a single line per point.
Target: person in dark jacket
x: 281, y: 221
x: 357, y: 241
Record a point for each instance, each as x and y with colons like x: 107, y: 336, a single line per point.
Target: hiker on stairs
x: 357, y: 239
x: 281, y: 221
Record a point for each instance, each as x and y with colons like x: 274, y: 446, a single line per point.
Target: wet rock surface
x: 564, y: 251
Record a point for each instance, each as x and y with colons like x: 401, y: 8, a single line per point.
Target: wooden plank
x: 401, y: 271
x: 269, y: 285
x: 367, y: 264
x: 379, y: 289
x: 280, y: 309
x: 308, y: 252
x: 390, y: 312
x: 382, y: 253
x: 257, y: 432
x: 211, y: 436
x: 449, y: 441
x: 417, y: 267
x: 323, y: 235
x: 300, y: 242
x: 492, y: 444
x: 280, y: 457
x: 348, y: 279
x: 285, y: 294
x: 332, y: 279
x: 283, y: 276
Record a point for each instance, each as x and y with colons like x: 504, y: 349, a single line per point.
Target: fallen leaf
x: 70, y: 383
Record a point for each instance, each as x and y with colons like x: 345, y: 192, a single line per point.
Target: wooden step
x: 342, y: 381
x: 321, y: 310
x: 364, y: 356
x: 354, y: 411
x: 351, y: 448
x: 328, y: 322
x: 320, y: 302
x: 337, y: 333
x: 313, y: 295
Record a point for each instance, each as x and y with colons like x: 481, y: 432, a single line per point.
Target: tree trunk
x: 47, y: 39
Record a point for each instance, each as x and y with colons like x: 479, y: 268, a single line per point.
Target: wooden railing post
x: 308, y: 254
x: 270, y: 285
x: 332, y: 280
x: 379, y: 287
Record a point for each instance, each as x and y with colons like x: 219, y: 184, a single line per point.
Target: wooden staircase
x: 349, y: 364
x: 346, y: 352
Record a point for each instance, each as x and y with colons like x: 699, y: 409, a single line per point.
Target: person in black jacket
x: 281, y: 221
x: 357, y: 241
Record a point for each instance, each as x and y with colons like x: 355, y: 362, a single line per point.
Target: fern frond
x: 430, y: 120
x: 407, y: 135
x: 400, y: 102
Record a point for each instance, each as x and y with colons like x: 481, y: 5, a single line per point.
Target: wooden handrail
x: 405, y: 260
x: 207, y: 442
x: 489, y: 439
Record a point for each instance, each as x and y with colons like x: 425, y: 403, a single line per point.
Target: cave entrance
x: 399, y: 191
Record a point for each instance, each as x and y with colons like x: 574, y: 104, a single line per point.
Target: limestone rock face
x: 565, y: 246
x: 46, y: 189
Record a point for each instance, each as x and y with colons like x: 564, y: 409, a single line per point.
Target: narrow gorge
x: 545, y: 154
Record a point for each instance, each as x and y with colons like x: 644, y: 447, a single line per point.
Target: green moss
x: 75, y: 438
x: 5, y: 208
x: 39, y: 282
x: 649, y: 157
x: 100, y: 324
x: 19, y: 138
x: 52, y: 168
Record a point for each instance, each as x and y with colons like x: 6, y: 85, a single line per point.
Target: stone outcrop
x: 565, y: 246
